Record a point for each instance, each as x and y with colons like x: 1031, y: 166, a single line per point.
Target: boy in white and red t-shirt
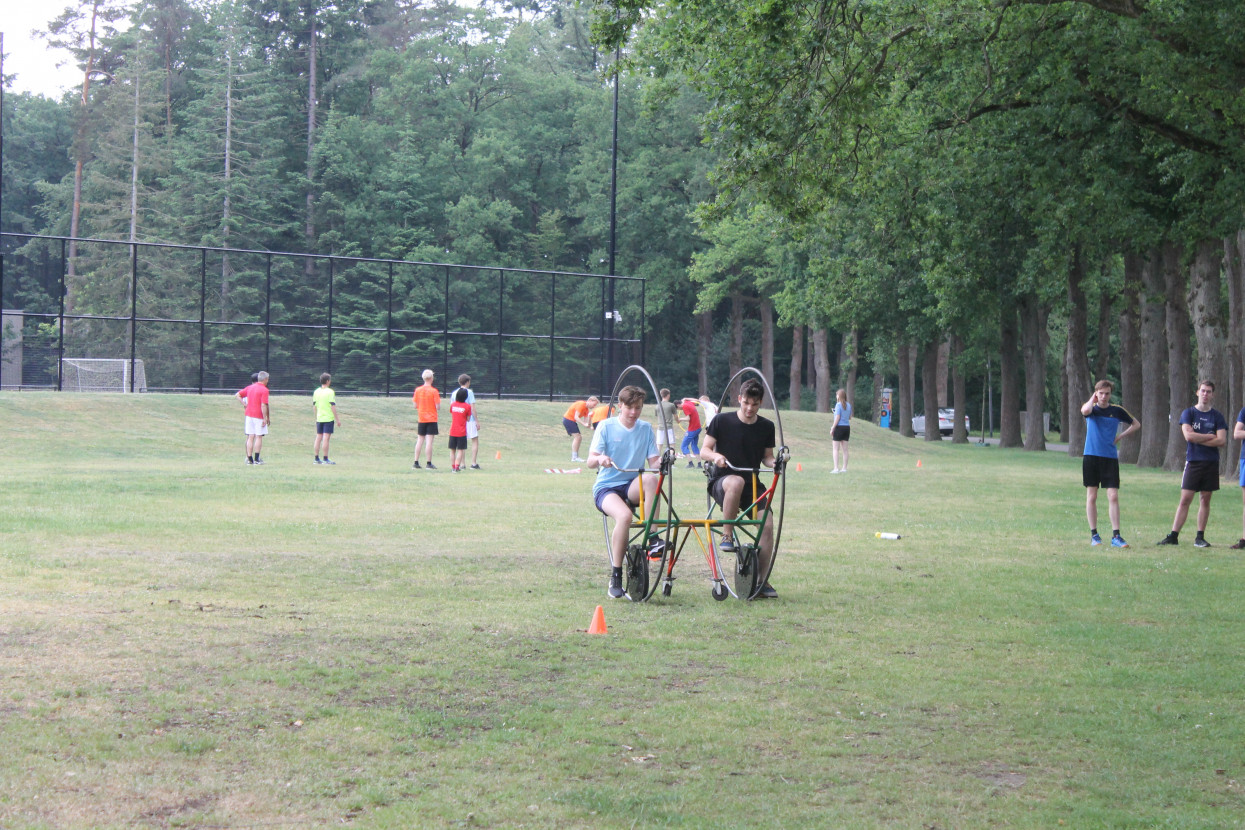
x: 460, y: 413
x: 255, y: 424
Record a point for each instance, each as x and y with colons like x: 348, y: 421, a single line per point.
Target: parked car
x: 946, y: 422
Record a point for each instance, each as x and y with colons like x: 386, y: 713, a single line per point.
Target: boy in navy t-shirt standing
x: 1100, y: 466
x: 1206, y: 430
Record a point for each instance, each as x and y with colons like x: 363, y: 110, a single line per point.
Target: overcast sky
x: 29, y: 58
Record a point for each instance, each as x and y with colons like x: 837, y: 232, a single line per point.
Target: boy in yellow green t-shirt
x: 324, y: 401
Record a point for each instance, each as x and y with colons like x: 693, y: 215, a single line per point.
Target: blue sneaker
x: 1118, y: 542
x: 1095, y: 539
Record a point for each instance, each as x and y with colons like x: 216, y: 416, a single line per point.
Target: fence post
x: 553, y: 326
x: 267, y: 310
x: 1, y: 281
x: 133, y: 311
x: 330, y: 359
x: 501, y: 322
x: 60, y: 321
x: 445, y: 329
x: 389, y: 334
x: 202, y: 311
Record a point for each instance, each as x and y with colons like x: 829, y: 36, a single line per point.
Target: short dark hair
x: 752, y: 390
x: 461, y: 395
x: 631, y: 395
x: 1209, y: 383
x: 325, y: 378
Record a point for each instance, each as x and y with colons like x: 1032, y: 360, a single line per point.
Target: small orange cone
x: 918, y: 463
x: 498, y: 456
x: 598, y: 622
x: 799, y: 468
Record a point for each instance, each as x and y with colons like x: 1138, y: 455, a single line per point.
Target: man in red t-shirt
x: 255, y: 424
x: 427, y: 403
x: 691, y: 436
x: 460, y: 413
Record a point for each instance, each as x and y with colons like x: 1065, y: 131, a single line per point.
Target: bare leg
x: 1091, y: 506
x: 1203, y: 511
x: 1113, y: 507
x: 620, y: 512
x: 1182, y: 510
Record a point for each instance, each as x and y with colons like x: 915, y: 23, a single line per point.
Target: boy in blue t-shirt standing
x: 1206, y: 430
x: 1238, y: 432
x: 1100, y: 466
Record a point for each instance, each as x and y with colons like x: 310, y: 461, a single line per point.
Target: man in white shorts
x: 255, y: 425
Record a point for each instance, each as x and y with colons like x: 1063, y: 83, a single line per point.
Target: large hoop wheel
x: 742, y: 570
x: 650, y: 543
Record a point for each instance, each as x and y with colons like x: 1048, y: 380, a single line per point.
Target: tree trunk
x: 851, y: 348
x: 736, y: 358
x: 1234, y: 273
x: 929, y: 389
x: 1206, y: 316
x: 767, y: 343
x: 1102, y: 362
x: 907, y: 382
x: 1130, y: 351
x: 1009, y: 380
x: 1076, y: 364
x: 704, y: 345
x: 795, y: 386
x: 1033, y: 332
x: 959, y: 433
x: 821, y: 363
x: 940, y: 380
x: 1179, y: 359
x: 80, y: 152
x: 1066, y: 406
x: 1152, y: 448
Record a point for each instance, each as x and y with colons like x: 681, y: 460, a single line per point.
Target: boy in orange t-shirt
x: 427, y: 403
x: 574, y: 418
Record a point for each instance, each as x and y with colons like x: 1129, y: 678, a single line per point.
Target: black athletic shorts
x: 458, y: 442
x: 1098, y: 471
x: 841, y: 433
x: 1200, y: 476
x: 745, y: 498
x: 427, y: 428
x: 324, y: 427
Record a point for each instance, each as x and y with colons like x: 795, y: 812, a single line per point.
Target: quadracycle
x: 660, y: 532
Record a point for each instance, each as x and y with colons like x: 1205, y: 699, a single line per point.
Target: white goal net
x: 86, y: 374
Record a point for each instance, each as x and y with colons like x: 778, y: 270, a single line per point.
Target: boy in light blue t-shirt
x: 620, y: 446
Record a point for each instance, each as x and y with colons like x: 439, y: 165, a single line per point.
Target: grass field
x: 186, y: 641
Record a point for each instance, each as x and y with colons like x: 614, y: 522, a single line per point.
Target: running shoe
x: 1118, y: 542
x: 615, y: 590
x: 657, y: 548
x: 1201, y: 543
x: 317, y: 461
x: 1238, y: 546
x: 476, y: 467
x: 1095, y: 539
x: 430, y: 466
x: 1169, y: 539
x: 415, y: 466
x: 767, y: 592
x: 727, y: 545
x: 326, y: 461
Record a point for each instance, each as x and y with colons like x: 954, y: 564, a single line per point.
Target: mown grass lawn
x: 186, y: 641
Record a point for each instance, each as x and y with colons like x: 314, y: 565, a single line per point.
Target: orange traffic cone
x: 799, y: 468
x: 918, y: 463
x: 598, y: 622
x: 498, y: 456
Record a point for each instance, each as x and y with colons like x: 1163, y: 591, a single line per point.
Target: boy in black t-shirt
x: 746, y: 440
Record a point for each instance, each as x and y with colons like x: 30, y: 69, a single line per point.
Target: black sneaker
x: 691, y: 464
x: 431, y: 466
x: 767, y: 592
x: 656, y: 549
x: 615, y: 590
x: 1200, y: 543
x: 1169, y: 539
x: 257, y: 461
x: 476, y: 467
x: 415, y: 466
x: 1238, y: 546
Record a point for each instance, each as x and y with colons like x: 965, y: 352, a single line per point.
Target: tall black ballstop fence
x: 177, y: 318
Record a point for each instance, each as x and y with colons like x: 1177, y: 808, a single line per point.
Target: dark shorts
x: 745, y: 498
x: 458, y: 442
x: 1200, y: 476
x: 571, y: 427
x: 324, y: 427
x: 841, y: 433
x: 429, y: 428
x: 1097, y: 471
x: 621, y: 490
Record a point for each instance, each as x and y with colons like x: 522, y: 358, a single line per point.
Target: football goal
x: 89, y: 374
